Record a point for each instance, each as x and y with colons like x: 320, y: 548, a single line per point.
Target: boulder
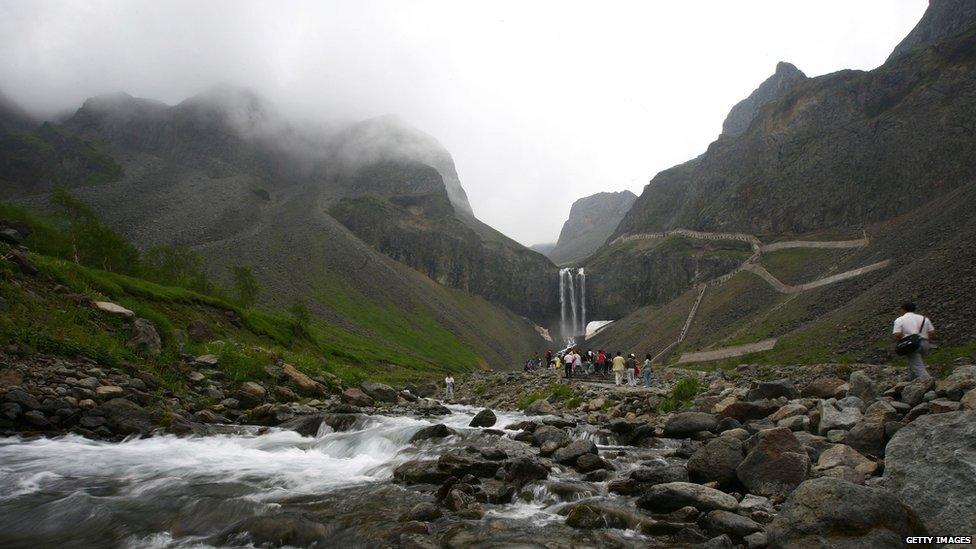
x: 913, y: 393
x: 459, y: 463
x: 788, y: 411
x: 685, y: 424
x: 484, y: 418
x: 772, y: 389
x: 438, y: 430
x: 929, y: 464
x: 540, y: 407
x: 379, y: 391
x: 251, y: 394
x: 968, y: 400
x: 862, y: 387
x: 841, y: 454
x: 423, y: 511
x: 112, y: 308
x: 22, y: 398
x: 867, y: 437
x: 776, y: 465
x: 832, y: 417
x: 305, y: 385
x: 356, y: 397
x: 716, y: 461
x: 744, y: 411
x: 143, y: 338
x: 125, y: 417
x: 199, y: 331
x: 822, y: 387
x: 724, y: 522
x: 833, y: 513
x: 649, y: 475
x: 588, y: 463
x: 664, y: 498
x: 569, y: 453
x: 880, y: 411
x: 548, y: 433
x: 206, y: 361
x: 420, y: 471
x: 525, y: 470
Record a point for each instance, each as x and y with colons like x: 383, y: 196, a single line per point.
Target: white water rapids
x: 167, y: 491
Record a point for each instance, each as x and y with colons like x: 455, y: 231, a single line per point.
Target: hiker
x: 577, y: 363
x: 631, y: 370
x: 912, y: 324
x: 646, y: 371
x: 556, y: 362
x: 548, y: 356
x: 601, y: 362
x: 568, y: 365
x: 449, y: 387
x: 618, y: 369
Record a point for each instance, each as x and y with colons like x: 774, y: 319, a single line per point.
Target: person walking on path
x: 908, y: 324
x: 449, y: 387
x: 577, y: 363
x: 631, y: 370
x: 618, y: 369
x: 601, y: 362
x: 568, y: 364
x: 548, y: 356
x: 646, y: 371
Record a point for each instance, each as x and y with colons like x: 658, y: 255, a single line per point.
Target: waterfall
x: 572, y: 304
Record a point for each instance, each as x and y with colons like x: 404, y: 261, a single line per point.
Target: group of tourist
x: 575, y: 363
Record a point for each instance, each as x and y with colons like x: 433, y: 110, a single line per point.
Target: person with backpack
x: 646, y: 371
x: 912, y: 333
x: 601, y: 362
x: 631, y: 370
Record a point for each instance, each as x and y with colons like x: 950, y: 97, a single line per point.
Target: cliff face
x: 744, y: 112
x: 591, y: 220
x: 942, y: 19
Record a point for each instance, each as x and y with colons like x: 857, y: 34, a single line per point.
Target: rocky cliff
x: 942, y: 19
x: 744, y: 112
x: 591, y: 220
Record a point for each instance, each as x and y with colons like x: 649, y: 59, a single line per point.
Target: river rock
x: 540, y: 407
x: 588, y: 463
x: 833, y: 513
x: 281, y: 530
x: 569, y: 453
x: 356, y: 397
x: 438, y: 430
x: 495, y: 492
x: 420, y: 471
x: 716, y: 461
x: 548, y: 433
x: 772, y: 389
x: 125, y: 417
x: 459, y: 463
x: 484, y: 418
x: 306, y: 385
x: 379, y: 391
x: 525, y: 470
x: 723, y: 522
x: 251, y: 394
x: 143, y: 338
x: 929, y: 464
x: 776, y: 465
x: 685, y: 424
x: 664, y: 498
x: 423, y: 511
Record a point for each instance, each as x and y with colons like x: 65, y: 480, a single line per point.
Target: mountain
x: 877, y: 164
x: 942, y: 19
x: 225, y: 175
x: 591, y: 220
x: 744, y: 112
x: 14, y: 119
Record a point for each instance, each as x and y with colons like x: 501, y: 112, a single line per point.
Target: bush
x: 246, y: 285
x: 560, y: 391
x: 529, y: 398
x: 176, y: 266
x: 681, y: 395
x: 94, y: 243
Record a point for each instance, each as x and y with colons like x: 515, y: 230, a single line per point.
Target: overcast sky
x: 540, y: 103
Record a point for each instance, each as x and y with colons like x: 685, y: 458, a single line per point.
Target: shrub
x: 246, y: 285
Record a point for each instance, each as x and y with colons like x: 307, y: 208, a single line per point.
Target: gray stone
x: 913, y: 393
x: 379, y: 391
x: 484, y: 418
x: 686, y: 424
x: 724, y: 522
x: 833, y: 418
x: 434, y: 431
x: 833, y: 513
x: 776, y: 465
x: 569, y: 453
x: 862, y: 387
x: 671, y: 496
x: 929, y: 463
x: 716, y: 461
x: 540, y: 407
x: 772, y: 389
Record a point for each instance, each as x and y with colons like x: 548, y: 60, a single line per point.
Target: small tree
x: 300, y: 316
x: 176, y: 266
x: 246, y: 285
x: 93, y: 243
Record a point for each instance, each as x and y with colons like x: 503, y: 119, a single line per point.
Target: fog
x: 539, y: 102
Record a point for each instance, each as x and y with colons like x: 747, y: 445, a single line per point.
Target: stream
x: 168, y: 491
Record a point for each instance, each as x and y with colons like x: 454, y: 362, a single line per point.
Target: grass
x: 681, y: 395
x: 799, y: 265
x: 557, y: 392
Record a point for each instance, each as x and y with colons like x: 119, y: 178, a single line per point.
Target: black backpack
x: 910, y: 343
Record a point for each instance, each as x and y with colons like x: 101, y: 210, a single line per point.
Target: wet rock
x: 281, y: 530
x: 540, y: 407
x: 525, y: 470
x: 823, y: 387
x: 929, y: 463
x: 143, y: 338
x: 125, y: 417
x: 484, y: 418
x: 459, y: 463
x: 772, y: 389
x: 651, y: 474
x: 424, y: 512
x: 37, y: 419
x: 664, y: 498
x: 199, y: 331
x: 776, y: 465
x: 436, y: 431
x: 22, y: 398
x: 378, y: 391
x: 717, y: 461
x: 547, y: 433
x: 585, y: 517
x: 569, y: 453
x: 307, y: 426
x: 418, y: 471
x: 356, y: 397
x: 829, y: 512
x: 686, y: 424
x: 587, y: 463
x: 494, y: 454
x: 724, y: 522
x: 495, y: 492
x: 458, y: 500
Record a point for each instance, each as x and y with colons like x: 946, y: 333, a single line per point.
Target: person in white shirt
x: 911, y: 323
x: 449, y: 387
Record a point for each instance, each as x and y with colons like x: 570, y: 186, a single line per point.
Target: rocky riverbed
x: 755, y: 457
